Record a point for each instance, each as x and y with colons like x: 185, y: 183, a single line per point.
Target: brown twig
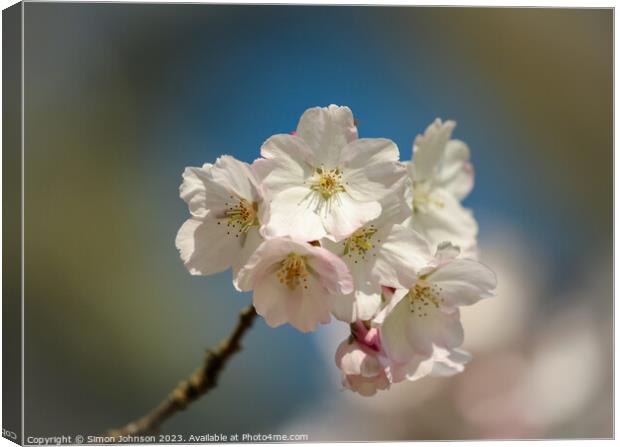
x: 198, y: 384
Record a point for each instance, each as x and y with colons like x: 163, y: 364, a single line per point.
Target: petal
x: 416, y: 368
x: 342, y: 215
x: 393, y: 334
x: 272, y: 300
x: 446, y: 252
x: 251, y: 241
x: 371, y: 169
x: 292, y: 159
x: 205, y: 247
x: 362, y: 304
x: 393, y: 299
x: 353, y: 360
x: 312, y: 308
x: 261, y: 262
x: 192, y: 189
x: 369, y: 151
x: 261, y: 167
x: 402, y: 253
x: 235, y: 176
x: 394, y: 209
x: 349, y: 357
x: 429, y: 326
x: 327, y: 130
x: 367, y: 301
x: 292, y: 214
x: 455, y: 173
x: 367, y: 386
x: 332, y: 271
x: 449, y: 362
x: 302, y: 307
x: 429, y: 148
x: 463, y: 282
x: 444, y: 219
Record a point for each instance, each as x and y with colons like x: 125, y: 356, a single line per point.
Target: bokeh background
x: 120, y: 98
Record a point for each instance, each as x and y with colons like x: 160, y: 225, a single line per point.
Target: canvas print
x: 297, y: 223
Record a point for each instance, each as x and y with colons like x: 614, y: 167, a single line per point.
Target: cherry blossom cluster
x: 329, y: 224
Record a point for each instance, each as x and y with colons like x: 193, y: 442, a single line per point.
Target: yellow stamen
x: 422, y: 295
x: 293, y: 271
x: 240, y: 216
x: 327, y: 182
x: 360, y: 242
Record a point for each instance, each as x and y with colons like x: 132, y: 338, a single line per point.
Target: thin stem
x: 203, y: 380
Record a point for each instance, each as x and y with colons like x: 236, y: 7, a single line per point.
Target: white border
x: 556, y: 4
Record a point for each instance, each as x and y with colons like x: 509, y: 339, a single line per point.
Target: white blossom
x: 326, y: 182
x: 440, y: 176
x: 294, y: 282
x: 226, y: 205
x: 424, y: 311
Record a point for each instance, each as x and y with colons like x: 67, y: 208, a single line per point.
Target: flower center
x: 360, y: 242
x: 327, y: 182
x: 423, y: 197
x: 240, y: 217
x: 293, y: 271
x: 423, y: 295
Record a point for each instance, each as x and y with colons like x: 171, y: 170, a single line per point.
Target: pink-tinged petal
x: 429, y: 148
x: 271, y: 300
x: 205, y: 247
x: 342, y: 215
x: 401, y: 255
x: 327, y: 130
x: 362, y: 370
x: 449, y: 362
x: 303, y: 305
x: 367, y: 386
x: 349, y: 357
x: 269, y: 253
x: 428, y: 326
x: 353, y: 360
x: 463, y: 282
x: 292, y: 214
x: 456, y: 173
x: 333, y: 272
x: 193, y: 192
x: 387, y: 292
x: 313, y: 307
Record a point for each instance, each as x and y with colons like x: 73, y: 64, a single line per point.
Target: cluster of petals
x: 329, y: 224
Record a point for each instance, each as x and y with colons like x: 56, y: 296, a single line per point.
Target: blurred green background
x: 119, y: 98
